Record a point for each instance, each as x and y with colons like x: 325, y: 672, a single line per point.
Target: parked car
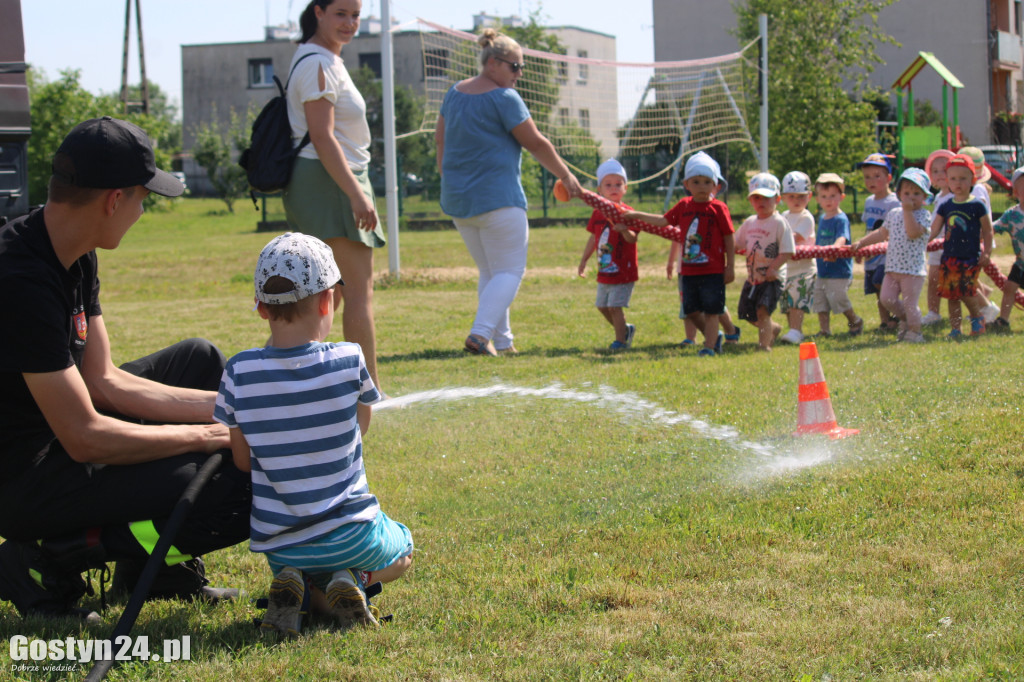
x: 411, y: 185
x: 1002, y: 157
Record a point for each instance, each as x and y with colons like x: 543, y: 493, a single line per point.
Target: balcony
x: 1006, y: 49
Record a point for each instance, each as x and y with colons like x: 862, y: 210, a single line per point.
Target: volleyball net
x: 655, y: 114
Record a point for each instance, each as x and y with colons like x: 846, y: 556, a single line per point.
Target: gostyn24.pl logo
x: 40, y: 655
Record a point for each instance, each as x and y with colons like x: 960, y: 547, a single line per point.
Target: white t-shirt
x: 802, y: 225
x: 350, y: 126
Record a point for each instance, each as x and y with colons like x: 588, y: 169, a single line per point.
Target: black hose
x: 155, y: 561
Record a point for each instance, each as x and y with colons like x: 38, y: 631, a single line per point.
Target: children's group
x: 948, y: 199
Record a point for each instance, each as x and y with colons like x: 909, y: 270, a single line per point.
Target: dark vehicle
x: 412, y: 185
x: 15, y: 124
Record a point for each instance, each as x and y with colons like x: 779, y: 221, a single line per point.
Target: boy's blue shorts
x: 873, y: 280
x: 701, y: 294
x: 365, y: 546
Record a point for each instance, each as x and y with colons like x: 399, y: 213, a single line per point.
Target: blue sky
x: 89, y: 34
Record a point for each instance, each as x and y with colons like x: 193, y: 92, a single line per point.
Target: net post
x: 762, y: 21
x: 390, y: 146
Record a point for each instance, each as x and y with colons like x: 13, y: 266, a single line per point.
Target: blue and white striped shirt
x: 296, y: 408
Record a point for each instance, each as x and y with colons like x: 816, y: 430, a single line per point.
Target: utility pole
x: 144, y: 84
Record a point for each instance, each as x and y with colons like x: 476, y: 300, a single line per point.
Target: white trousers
x: 497, y: 240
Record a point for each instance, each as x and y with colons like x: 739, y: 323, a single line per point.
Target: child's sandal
x: 857, y: 327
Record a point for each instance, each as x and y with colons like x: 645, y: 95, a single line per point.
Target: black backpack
x: 268, y: 160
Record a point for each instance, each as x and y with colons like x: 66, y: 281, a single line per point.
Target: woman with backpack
x: 329, y: 195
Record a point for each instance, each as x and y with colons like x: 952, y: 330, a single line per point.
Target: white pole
x: 762, y: 21
x: 390, y: 152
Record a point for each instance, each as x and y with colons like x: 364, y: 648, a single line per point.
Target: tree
x: 58, y: 106
x: 816, y: 50
x: 215, y: 149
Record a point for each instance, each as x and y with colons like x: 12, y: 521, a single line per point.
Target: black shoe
x: 186, y: 581
x: 34, y: 585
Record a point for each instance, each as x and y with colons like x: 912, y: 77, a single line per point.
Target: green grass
x: 582, y: 523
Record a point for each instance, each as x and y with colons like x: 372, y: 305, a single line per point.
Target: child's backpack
x: 268, y: 160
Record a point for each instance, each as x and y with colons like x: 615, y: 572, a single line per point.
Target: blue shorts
x: 369, y: 546
x: 701, y: 294
x: 873, y: 280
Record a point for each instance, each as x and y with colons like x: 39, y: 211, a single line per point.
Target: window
x: 584, y: 68
x: 585, y: 119
x: 436, y: 63
x: 261, y: 73
x: 563, y: 116
x: 372, y: 60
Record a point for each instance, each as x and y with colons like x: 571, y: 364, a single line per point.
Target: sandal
x: 477, y: 345
x: 857, y: 327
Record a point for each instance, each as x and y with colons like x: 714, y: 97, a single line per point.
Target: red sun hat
x: 963, y: 161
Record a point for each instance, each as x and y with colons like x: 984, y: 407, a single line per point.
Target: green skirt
x: 315, y: 205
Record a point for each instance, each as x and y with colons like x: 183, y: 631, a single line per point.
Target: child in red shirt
x: 707, y: 258
x: 617, y: 262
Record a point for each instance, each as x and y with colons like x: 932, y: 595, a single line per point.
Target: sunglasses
x: 515, y: 66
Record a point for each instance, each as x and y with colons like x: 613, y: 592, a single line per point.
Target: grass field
x: 646, y: 515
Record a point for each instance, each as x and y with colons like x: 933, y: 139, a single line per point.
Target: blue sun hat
x: 919, y: 178
x: 702, y: 165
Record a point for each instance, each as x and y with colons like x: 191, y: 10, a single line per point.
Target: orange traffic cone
x: 814, y: 412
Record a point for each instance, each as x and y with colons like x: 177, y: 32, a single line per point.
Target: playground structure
x: 916, y: 142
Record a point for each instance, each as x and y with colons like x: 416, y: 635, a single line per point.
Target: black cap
x: 106, y: 153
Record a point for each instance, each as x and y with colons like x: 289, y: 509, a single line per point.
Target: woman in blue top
x: 482, y: 128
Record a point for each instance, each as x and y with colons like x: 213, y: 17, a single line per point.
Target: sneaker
x: 954, y: 335
x: 718, y: 342
x: 792, y: 336
x: 617, y: 345
x: 706, y: 352
x: 734, y: 338
x: 990, y: 312
x: 1000, y: 325
x: 977, y: 326
x: 913, y: 337
x: 630, y: 332
x: 931, y: 318
x: 347, y: 601
x: 687, y: 343
x: 289, y: 599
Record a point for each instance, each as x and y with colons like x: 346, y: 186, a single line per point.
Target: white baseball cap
x: 1016, y: 174
x: 763, y: 184
x: 796, y: 182
x: 303, y: 260
x: 610, y: 167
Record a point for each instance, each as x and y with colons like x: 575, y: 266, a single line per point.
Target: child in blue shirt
x: 877, y: 175
x: 835, y: 275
